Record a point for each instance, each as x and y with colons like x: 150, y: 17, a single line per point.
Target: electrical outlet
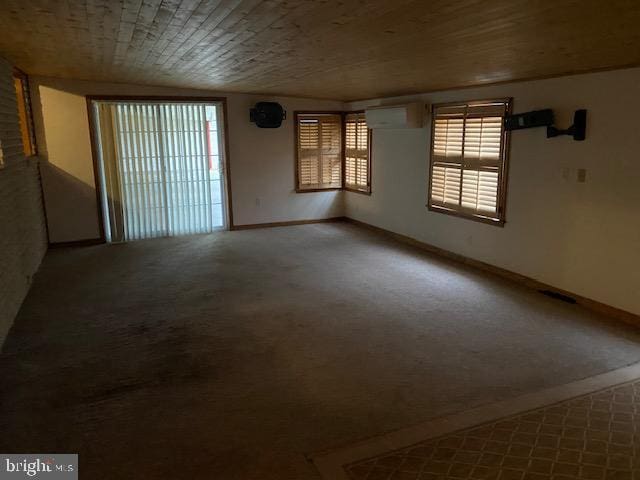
x: 582, y: 175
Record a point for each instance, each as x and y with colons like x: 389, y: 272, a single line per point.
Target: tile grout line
x: 330, y: 463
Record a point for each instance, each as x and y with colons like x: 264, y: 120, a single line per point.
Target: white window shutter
x: 468, y: 157
x: 319, y: 151
x: 357, y: 152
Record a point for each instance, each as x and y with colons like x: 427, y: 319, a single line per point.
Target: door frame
x: 155, y: 98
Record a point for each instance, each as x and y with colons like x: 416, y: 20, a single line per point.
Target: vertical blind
x: 356, y: 163
x: 319, y: 151
x: 160, y: 168
x: 467, y: 158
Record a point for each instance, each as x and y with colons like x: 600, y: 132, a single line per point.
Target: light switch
x: 582, y: 175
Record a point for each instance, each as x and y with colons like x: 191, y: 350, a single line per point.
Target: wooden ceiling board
x: 344, y: 50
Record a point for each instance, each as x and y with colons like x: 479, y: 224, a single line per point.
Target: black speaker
x: 537, y: 118
x: 267, y: 114
x: 578, y: 130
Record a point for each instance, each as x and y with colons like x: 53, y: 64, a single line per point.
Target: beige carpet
x: 233, y: 355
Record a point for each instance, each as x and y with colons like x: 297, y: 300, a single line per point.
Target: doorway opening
x: 161, y: 167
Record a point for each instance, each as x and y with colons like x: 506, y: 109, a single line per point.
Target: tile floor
x: 593, y: 437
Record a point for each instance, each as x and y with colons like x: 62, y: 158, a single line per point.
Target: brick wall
x: 23, y: 240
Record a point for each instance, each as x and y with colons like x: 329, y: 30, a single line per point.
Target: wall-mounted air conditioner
x: 408, y: 115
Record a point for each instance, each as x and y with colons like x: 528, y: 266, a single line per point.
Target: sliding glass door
x: 161, y: 168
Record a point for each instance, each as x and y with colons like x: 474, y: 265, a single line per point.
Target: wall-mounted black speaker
x: 578, y: 130
x: 267, y: 114
x: 537, y: 118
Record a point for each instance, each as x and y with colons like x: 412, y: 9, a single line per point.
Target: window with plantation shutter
x: 357, y: 162
x: 469, y: 160
x: 319, y: 151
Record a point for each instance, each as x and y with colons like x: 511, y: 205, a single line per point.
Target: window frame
x: 32, y: 148
x: 296, y: 158
x: 503, y: 172
x: 89, y: 99
x: 344, y: 157
x: 343, y: 116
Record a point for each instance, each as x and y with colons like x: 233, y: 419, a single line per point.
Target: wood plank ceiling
x: 347, y: 50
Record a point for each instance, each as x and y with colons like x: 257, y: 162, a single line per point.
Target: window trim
x: 296, y: 162
x: 344, y: 158
x: 28, y: 111
x: 343, y: 115
x: 501, y: 201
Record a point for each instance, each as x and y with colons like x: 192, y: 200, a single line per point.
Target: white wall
x: 581, y: 237
x: 262, y: 160
x: 23, y: 240
x: 263, y: 167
